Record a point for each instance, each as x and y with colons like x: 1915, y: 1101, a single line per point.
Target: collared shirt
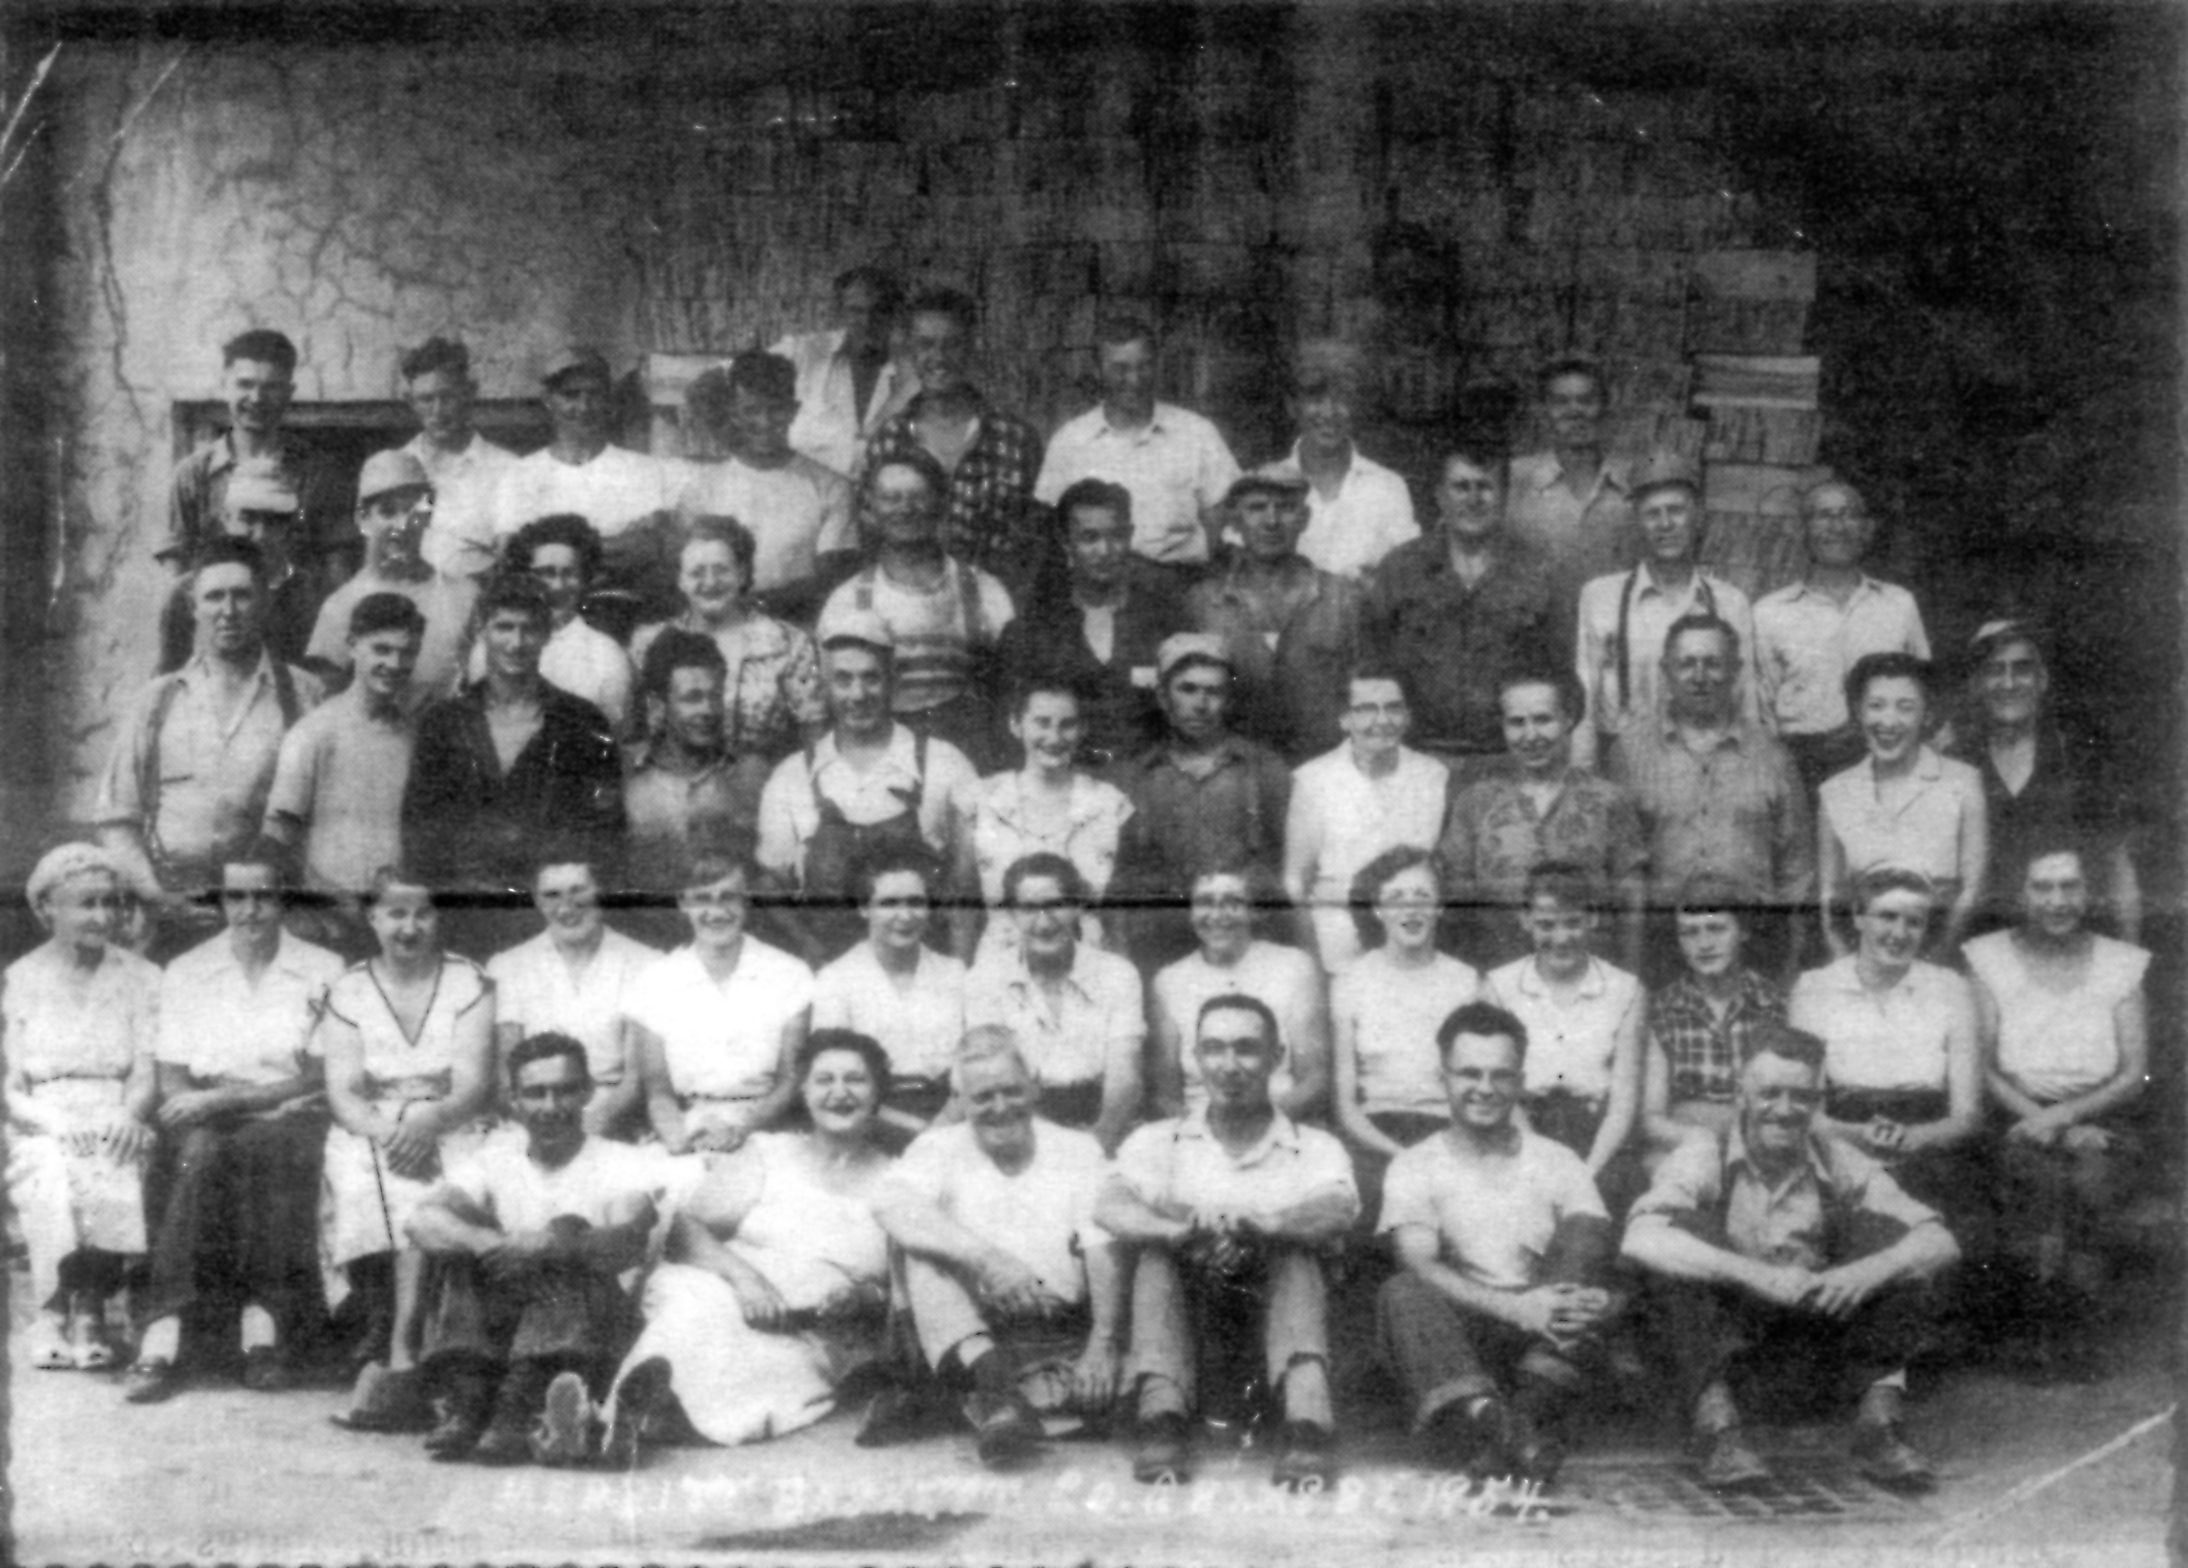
x: 1283, y: 978
x: 797, y: 513
x: 1459, y: 643
x: 1570, y: 1040
x: 1181, y: 821
x: 1180, y: 1164
x: 831, y: 428
x: 918, y: 1023
x: 938, y: 631
x: 772, y: 692
x: 1493, y: 1217
x: 1176, y: 466
x: 1495, y: 835
x: 2057, y: 1044
x: 1702, y: 1047
x: 1806, y: 641
x: 1737, y: 810
x: 588, y: 663
x: 1370, y: 515
x: 992, y: 520
x: 669, y: 811
x: 1341, y: 818
x: 197, y: 492
x: 444, y: 601
x: 1391, y: 1015
x: 1583, y: 534
x: 614, y: 490
x: 341, y: 775
x: 790, y: 804
x: 517, y: 1194
x: 1801, y: 1222
x: 57, y: 1026
x: 466, y: 487
x: 223, y: 1028
x: 722, y: 1039
x: 215, y: 770
x: 1891, y: 1040
x: 1041, y: 1214
x: 1051, y: 638
x: 1619, y: 649
x: 1292, y: 650
x: 1097, y: 1011
x: 535, y: 990
x: 993, y: 818
x: 1923, y: 830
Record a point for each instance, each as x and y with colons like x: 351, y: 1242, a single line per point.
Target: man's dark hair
x: 707, y: 399
x: 892, y: 857
x: 545, y: 1047
x: 521, y: 591
x: 1770, y: 1038
x: 1888, y: 667
x: 259, y: 850
x: 1567, y: 882
x: 1573, y: 364
x: 677, y: 649
x: 1241, y: 1002
x: 1485, y: 1019
x: 261, y: 345
x: 435, y: 354
x: 1572, y: 698
x: 888, y: 292
x: 764, y: 375
x: 229, y: 550
x: 1110, y: 330
x: 1100, y: 493
x: 1478, y: 453
x: 567, y: 849
x: 563, y: 528
x: 1715, y: 893
x: 953, y: 303
x: 385, y: 612
x: 920, y: 462
x: 1703, y: 621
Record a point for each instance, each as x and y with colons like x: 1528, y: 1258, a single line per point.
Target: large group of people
x: 1029, y: 933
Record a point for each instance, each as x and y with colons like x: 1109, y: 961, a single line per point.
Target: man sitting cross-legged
x: 526, y: 1318
x: 1505, y: 1243
x: 1229, y: 1212
x: 1015, y: 1293
x: 1772, y: 1244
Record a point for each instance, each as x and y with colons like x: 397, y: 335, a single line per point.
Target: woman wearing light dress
x: 408, y: 1038
x: 777, y: 1272
x: 81, y: 1018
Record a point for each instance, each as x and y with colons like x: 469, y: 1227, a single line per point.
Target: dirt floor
x: 2051, y: 1473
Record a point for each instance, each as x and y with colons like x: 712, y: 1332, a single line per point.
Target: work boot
x: 1306, y: 1456
x: 460, y: 1414
x: 508, y: 1436
x: 1165, y: 1442
x: 642, y: 1389
x: 1730, y: 1465
x: 1887, y: 1458
x: 1005, y: 1429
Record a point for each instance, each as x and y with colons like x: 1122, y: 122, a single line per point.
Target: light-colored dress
x: 369, y: 1205
x: 2057, y: 1045
x: 992, y: 814
x: 739, y: 1384
x: 75, y: 1053
x: 721, y: 1039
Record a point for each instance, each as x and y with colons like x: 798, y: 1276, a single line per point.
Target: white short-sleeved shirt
x: 613, y: 490
x: 723, y: 1039
x: 1286, y: 979
x: 445, y: 601
x: 1370, y: 515
x: 220, y: 1027
x: 1494, y: 1218
x: 919, y: 1025
x: 1395, y: 1014
x: 1041, y: 1216
x: 790, y: 804
x: 466, y: 488
x: 2056, y: 1045
x: 503, y: 1180
x: 1100, y: 1006
x: 1180, y: 1162
x: 1920, y: 832
x: 341, y: 772
x: 1882, y: 1040
x: 796, y: 513
x: 1806, y: 641
x: 534, y: 991
x: 994, y: 818
x: 1570, y: 1044
x: 1173, y: 466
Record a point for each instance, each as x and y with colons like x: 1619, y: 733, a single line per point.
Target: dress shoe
x: 641, y: 1390
x: 1885, y: 1457
x: 266, y: 1370
x: 1537, y: 1455
x: 152, y: 1381
x: 1005, y: 1428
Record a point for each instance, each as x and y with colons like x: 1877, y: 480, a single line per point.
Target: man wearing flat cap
x: 1292, y: 629
x: 1201, y: 796
x: 395, y: 509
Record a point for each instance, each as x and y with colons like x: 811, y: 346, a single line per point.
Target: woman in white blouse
x: 1902, y: 1067
x: 719, y: 1021
x: 1350, y: 805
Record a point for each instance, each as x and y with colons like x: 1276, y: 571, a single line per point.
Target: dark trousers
x: 556, y: 1316
x: 241, y: 1222
x: 1444, y: 1353
x: 1715, y: 1332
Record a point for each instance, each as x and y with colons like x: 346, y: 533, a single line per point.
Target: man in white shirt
x: 1358, y: 511
x: 464, y: 468
x: 526, y: 1316
x: 1016, y: 1295
x: 797, y: 509
x: 1174, y: 462
x: 1228, y: 1213
x: 849, y: 379
x: 1505, y: 1245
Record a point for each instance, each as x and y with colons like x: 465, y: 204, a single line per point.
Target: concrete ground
x: 2062, y: 1473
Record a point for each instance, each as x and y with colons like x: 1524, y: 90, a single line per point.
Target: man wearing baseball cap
x: 395, y: 508
x: 1202, y: 795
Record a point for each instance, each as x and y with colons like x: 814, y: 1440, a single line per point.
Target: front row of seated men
x: 1189, y: 1279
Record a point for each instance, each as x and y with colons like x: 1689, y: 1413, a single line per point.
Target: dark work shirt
x: 1049, y: 637
x: 2064, y: 794
x: 1457, y: 644
x: 470, y: 827
x: 1293, y: 664
x: 991, y: 519
x: 1181, y: 823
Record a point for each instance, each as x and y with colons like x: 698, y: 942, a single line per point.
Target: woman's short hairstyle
x: 1048, y: 682
x: 1890, y: 666
x: 709, y: 864
x: 1045, y: 863
x: 718, y: 528
x: 1572, y: 697
x: 563, y: 528
x: 1566, y: 882
x: 1877, y: 881
x: 1715, y: 893
x: 1263, y: 894
x: 821, y: 1041
x: 1370, y: 880
x: 890, y: 859
x: 394, y: 875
